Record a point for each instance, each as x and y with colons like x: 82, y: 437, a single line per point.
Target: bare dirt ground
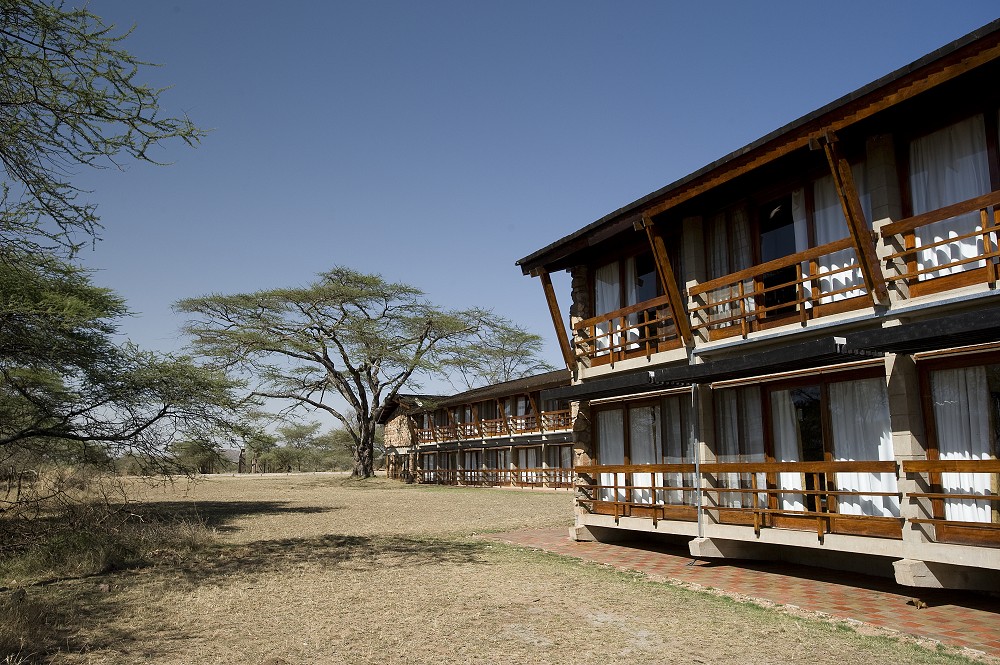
x: 322, y: 569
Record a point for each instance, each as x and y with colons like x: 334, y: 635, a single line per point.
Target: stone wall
x: 580, y: 307
x: 397, y: 433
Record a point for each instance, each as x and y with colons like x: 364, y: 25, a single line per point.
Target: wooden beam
x: 414, y: 437
x: 861, y: 232
x: 557, y: 320
x: 664, y: 269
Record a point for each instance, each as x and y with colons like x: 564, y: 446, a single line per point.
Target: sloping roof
x: 623, y: 218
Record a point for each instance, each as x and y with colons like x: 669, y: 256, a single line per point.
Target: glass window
x: 966, y: 401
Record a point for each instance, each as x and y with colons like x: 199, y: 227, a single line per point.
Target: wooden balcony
x: 548, y: 421
x: 958, y: 260
x: 523, y: 424
x: 948, y: 503
x: 553, y: 421
x: 632, y: 332
x: 795, y: 288
x: 542, y: 477
x: 793, y: 495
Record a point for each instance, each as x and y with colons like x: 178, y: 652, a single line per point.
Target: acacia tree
x: 300, y: 440
x: 70, y: 96
x: 71, y: 396
x: 346, y: 344
x: 504, y: 352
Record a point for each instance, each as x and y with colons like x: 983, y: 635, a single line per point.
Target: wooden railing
x: 550, y: 421
x: 946, y: 508
x: 815, y: 489
x: 902, y: 235
x: 631, y: 332
x: 776, y: 292
x: 529, y: 477
x: 493, y: 427
x: 523, y: 424
x: 543, y: 477
x: 557, y: 420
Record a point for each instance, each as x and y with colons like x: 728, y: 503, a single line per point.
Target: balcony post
x: 557, y: 318
x: 861, y: 233
x: 668, y: 280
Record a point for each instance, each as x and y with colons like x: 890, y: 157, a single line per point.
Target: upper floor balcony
x: 932, y: 253
x: 508, y: 426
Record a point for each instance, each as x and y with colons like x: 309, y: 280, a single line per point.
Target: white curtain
x: 430, y: 463
x: 787, y: 447
x: 676, y: 443
x: 566, y: 457
x: 738, y: 416
x: 962, y: 418
x: 632, y: 320
x: 532, y: 463
x: 800, y: 227
x: 830, y: 225
x: 946, y: 167
x: 729, y: 252
x: 644, y: 448
x: 607, y: 296
x: 859, y: 418
x: 611, y: 451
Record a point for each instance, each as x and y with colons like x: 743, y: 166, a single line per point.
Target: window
x: 650, y: 432
x: 617, y: 285
x: 739, y: 437
x: 949, y: 166
x: 805, y: 217
x: 836, y: 421
x: 966, y: 415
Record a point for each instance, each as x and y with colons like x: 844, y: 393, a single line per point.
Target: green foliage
x: 349, y: 339
x: 200, y: 456
x: 70, y: 394
x: 70, y: 96
x: 72, y: 399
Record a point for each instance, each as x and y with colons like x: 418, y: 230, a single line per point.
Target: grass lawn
x: 322, y: 569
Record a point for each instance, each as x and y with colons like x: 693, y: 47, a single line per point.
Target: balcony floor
x: 955, y: 618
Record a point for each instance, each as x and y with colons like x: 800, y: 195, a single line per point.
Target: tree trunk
x: 364, y: 455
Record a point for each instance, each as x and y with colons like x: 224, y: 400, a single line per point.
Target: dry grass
x: 319, y: 569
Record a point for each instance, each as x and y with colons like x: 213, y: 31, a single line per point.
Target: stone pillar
x: 583, y: 455
x: 909, y: 438
x: 705, y: 445
x: 580, y: 308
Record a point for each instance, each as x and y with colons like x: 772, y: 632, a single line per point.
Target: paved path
x: 954, y: 618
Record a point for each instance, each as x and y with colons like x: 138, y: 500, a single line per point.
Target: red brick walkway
x: 953, y: 618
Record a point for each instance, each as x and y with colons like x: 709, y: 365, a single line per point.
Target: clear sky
x: 438, y: 142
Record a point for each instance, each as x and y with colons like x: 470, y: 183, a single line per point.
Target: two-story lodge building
x: 498, y: 435
x: 794, y: 352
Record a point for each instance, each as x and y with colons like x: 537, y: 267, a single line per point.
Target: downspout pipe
x: 694, y: 430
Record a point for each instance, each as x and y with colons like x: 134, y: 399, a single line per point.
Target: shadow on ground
x: 928, y: 596
x: 219, y: 515
x: 86, y: 615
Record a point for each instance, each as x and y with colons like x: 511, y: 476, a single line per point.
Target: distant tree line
x: 298, y: 447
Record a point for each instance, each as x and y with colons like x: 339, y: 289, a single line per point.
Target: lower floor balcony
x: 540, y: 477
x: 951, y: 501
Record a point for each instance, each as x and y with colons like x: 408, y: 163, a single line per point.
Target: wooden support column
x: 557, y: 319
x: 861, y: 232
x: 678, y: 311
x: 414, y: 434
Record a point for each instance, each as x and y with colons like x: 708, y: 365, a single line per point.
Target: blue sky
x: 438, y: 142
